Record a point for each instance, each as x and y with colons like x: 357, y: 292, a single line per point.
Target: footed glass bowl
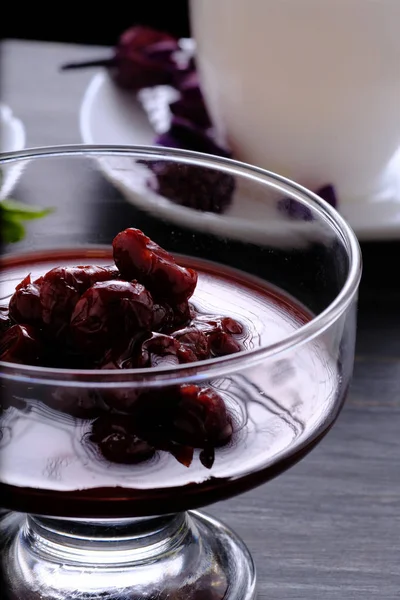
x: 104, y: 460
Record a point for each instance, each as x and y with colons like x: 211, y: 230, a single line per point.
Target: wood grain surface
x: 329, y: 529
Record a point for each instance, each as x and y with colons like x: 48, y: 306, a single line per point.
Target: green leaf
x: 12, y: 212
x: 11, y: 230
x: 21, y: 211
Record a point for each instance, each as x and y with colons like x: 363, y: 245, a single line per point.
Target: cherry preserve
x: 121, y: 448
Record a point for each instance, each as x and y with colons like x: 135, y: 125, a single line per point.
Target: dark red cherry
x: 186, y: 415
x: 220, y: 333
x: 122, y: 399
x: 208, y: 323
x: 59, y: 294
x: 201, y: 418
x: 195, y: 340
x: 5, y: 321
x: 183, y: 454
x: 116, y: 438
x: 82, y: 403
x: 229, y: 325
x: 163, y: 350
x: 207, y: 457
x: 138, y: 257
x: 108, y: 311
x: 168, y: 318
x: 163, y: 316
x: 153, y: 413
x: 123, y: 355
x: 183, y: 312
x: 62, y: 287
x: 222, y: 344
x: 15, y: 394
x: 90, y: 274
x: 25, y: 307
x: 124, y: 352
x: 21, y: 344
x: 144, y: 57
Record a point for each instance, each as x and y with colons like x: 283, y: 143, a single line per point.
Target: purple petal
x: 328, y: 194
x: 206, y: 190
x: 191, y: 105
x: 168, y: 140
x: 294, y: 209
x: 182, y: 72
x: 183, y: 134
x: 192, y: 109
x: 297, y: 210
x: 190, y: 81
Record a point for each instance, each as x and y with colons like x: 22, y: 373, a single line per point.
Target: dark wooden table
x: 329, y: 529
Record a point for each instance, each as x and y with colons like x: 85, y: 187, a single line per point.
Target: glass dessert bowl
x: 149, y: 371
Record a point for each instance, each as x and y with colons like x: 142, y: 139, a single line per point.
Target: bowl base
x: 188, y: 556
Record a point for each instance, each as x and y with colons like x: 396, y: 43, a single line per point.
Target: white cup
x: 307, y: 88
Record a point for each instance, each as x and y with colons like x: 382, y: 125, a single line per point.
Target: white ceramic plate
x: 109, y: 115
x: 12, y: 138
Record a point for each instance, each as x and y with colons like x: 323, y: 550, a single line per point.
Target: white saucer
x: 12, y: 138
x: 110, y: 115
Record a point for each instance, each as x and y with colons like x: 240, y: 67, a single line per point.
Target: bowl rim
x: 215, y: 367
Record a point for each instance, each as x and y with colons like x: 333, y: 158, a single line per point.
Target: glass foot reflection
x: 188, y: 556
